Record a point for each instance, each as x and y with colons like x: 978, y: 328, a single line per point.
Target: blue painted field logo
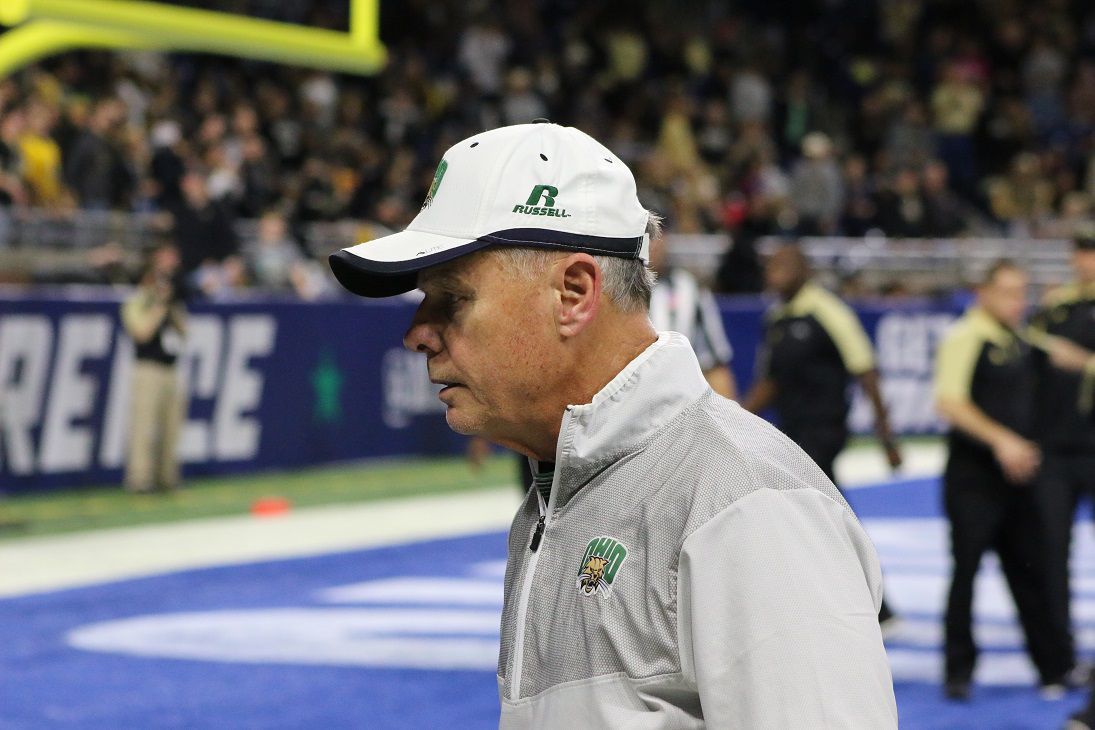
x: 600, y: 564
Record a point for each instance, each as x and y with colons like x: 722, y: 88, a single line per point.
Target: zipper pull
x: 538, y: 535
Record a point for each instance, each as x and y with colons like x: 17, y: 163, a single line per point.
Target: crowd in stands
x: 909, y: 118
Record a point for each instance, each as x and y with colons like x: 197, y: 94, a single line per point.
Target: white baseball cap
x: 534, y: 185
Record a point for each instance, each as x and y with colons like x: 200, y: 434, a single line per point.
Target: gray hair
x: 628, y: 283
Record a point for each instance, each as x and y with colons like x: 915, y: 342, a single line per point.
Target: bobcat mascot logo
x: 600, y: 564
x: 589, y: 580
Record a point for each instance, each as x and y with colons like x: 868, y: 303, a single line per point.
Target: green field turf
x: 110, y: 506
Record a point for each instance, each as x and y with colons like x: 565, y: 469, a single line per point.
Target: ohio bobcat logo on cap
x: 528, y: 185
x: 600, y: 565
x: 438, y: 176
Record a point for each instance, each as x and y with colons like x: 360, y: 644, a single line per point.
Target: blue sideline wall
x: 281, y: 384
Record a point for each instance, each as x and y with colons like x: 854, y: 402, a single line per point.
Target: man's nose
x: 422, y: 336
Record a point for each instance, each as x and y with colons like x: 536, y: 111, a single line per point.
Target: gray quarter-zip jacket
x: 693, y: 569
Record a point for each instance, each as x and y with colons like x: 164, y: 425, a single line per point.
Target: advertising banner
x: 283, y: 384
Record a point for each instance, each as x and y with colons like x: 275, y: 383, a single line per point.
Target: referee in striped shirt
x: 679, y: 304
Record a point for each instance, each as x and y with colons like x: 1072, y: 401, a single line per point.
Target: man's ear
x: 577, y: 281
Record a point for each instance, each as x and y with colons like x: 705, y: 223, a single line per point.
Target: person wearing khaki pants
x: 156, y: 320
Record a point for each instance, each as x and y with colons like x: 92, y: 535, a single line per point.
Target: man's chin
x: 461, y: 423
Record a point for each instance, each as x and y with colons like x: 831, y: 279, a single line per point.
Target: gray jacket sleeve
x: 778, y: 597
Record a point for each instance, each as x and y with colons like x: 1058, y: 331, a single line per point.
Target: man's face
x: 487, y: 336
x: 1005, y: 297
x: 166, y: 260
x: 785, y: 272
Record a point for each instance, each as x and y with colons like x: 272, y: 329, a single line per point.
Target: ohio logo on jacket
x: 600, y: 564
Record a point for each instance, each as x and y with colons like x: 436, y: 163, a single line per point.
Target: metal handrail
x: 929, y: 263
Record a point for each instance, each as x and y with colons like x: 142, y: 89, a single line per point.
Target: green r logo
x: 437, y: 177
x: 547, y: 192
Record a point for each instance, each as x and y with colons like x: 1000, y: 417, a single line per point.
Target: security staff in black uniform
x: 813, y: 346
x: 1066, y: 432
x: 984, y: 387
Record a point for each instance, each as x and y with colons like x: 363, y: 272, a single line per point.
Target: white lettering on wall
x: 407, y: 389
x: 25, y: 344
x: 116, y: 418
x: 200, y: 372
x: 237, y: 435
x: 905, y: 344
x: 65, y: 445
x: 50, y: 396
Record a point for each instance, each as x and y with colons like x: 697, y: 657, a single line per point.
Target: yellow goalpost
x: 45, y: 27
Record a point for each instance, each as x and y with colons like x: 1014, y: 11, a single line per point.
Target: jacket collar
x: 648, y: 393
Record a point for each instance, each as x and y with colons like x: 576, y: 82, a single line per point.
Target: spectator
x: 817, y: 189
x: 1024, y: 196
x: 901, y: 209
x: 1043, y: 74
x: 860, y: 207
x: 94, y: 169
x: 203, y: 228
x: 521, y: 103
x: 751, y: 95
x: 41, y: 157
x: 272, y: 255
x: 12, y: 189
x: 483, y: 51
x: 167, y: 168
x: 797, y: 112
x: 257, y: 177
x: 957, y: 102
x: 944, y: 212
x: 910, y: 141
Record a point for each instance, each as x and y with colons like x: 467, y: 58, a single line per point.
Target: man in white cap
x: 680, y: 562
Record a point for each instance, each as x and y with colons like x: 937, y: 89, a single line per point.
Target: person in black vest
x: 813, y: 346
x: 984, y: 388
x: 155, y: 317
x: 1065, y: 431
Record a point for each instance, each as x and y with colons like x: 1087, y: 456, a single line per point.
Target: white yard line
x: 47, y: 563
x: 866, y: 466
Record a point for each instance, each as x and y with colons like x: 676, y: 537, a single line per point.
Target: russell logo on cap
x: 545, y: 194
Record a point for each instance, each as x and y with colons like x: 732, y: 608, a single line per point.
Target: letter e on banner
x: 236, y: 435
x: 25, y: 343
x: 65, y: 445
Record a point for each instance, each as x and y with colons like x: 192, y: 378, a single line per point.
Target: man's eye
x: 451, y: 302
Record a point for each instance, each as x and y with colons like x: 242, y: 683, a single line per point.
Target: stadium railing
x: 35, y: 243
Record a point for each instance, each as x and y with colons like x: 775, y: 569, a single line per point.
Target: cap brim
x: 388, y: 266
